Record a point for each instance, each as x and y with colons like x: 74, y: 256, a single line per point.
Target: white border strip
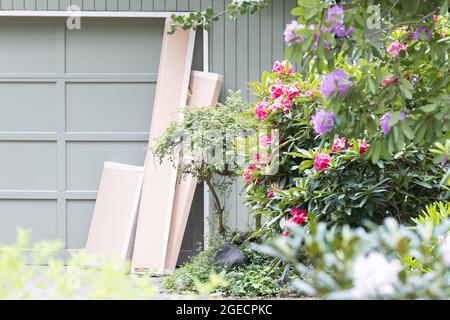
x: 98, y: 14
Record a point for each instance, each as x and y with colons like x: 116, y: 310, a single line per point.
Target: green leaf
x: 407, y: 130
x: 429, y: 107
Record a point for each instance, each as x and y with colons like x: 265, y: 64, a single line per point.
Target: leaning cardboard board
x: 155, y: 211
x: 114, y: 217
x: 205, y: 88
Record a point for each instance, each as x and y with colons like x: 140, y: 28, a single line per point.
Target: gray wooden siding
x: 240, y: 50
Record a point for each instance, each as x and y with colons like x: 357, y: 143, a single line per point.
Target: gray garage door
x: 69, y: 100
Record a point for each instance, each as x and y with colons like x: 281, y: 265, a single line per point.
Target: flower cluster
x: 336, y: 81
x: 322, y: 161
x: 335, y: 25
x: 340, y: 144
x: 336, y: 18
x: 374, y: 276
x: 284, y: 68
x: 281, y: 94
x: 395, y: 48
x: 298, y: 217
x: 384, y: 121
x: 259, y: 160
x: 422, y: 30
x: 322, y: 121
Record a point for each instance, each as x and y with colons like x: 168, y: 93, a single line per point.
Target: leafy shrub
x: 385, y: 262
x: 197, y: 145
x: 81, y: 277
x: 258, y: 278
x: 434, y: 214
x: 347, y: 187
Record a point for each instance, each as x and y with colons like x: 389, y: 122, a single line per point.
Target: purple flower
x: 325, y: 43
x: 417, y: 32
x: 336, y: 17
x: 444, y: 161
x: 384, y: 121
x: 290, y: 35
x: 337, y: 80
x: 322, y: 121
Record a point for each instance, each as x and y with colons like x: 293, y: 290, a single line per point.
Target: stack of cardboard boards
x: 141, y: 212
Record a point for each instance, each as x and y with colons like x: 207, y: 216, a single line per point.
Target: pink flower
x: 322, y: 161
x: 291, y: 91
x: 286, y: 104
x: 298, y: 217
x: 261, y: 110
x: 248, y: 172
x: 395, y: 48
x: 270, y: 193
x: 389, y: 81
x: 276, y: 90
x: 363, y: 146
x: 266, y: 141
x: 298, y: 212
x: 280, y: 67
x: 435, y: 18
x: 309, y: 93
x: 339, y: 144
x: 285, y: 233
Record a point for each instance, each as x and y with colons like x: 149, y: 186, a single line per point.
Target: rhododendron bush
x: 383, y: 69
x: 328, y: 175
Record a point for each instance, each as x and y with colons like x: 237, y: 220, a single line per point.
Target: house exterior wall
x: 240, y: 49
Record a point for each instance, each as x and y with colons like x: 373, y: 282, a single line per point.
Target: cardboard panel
x: 115, y: 211
x: 205, y: 89
x: 159, y: 179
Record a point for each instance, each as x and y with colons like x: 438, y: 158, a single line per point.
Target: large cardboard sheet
x: 158, y: 189
x: 205, y: 89
x: 114, y: 217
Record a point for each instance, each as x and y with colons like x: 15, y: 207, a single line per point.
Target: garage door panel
x: 85, y: 160
x: 28, y: 165
x: 114, y: 47
x: 38, y: 216
x: 109, y: 107
x: 79, y: 214
x: 15, y: 43
x: 28, y: 107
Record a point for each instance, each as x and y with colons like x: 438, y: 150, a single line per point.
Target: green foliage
x: 258, y: 278
x: 442, y: 153
x: 368, y: 264
x: 203, y: 134
x: 352, y: 188
x: 24, y: 276
x: 422, y: 85
x: 434, y: 214
x: 205, y: 19
x: 199, y: 143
